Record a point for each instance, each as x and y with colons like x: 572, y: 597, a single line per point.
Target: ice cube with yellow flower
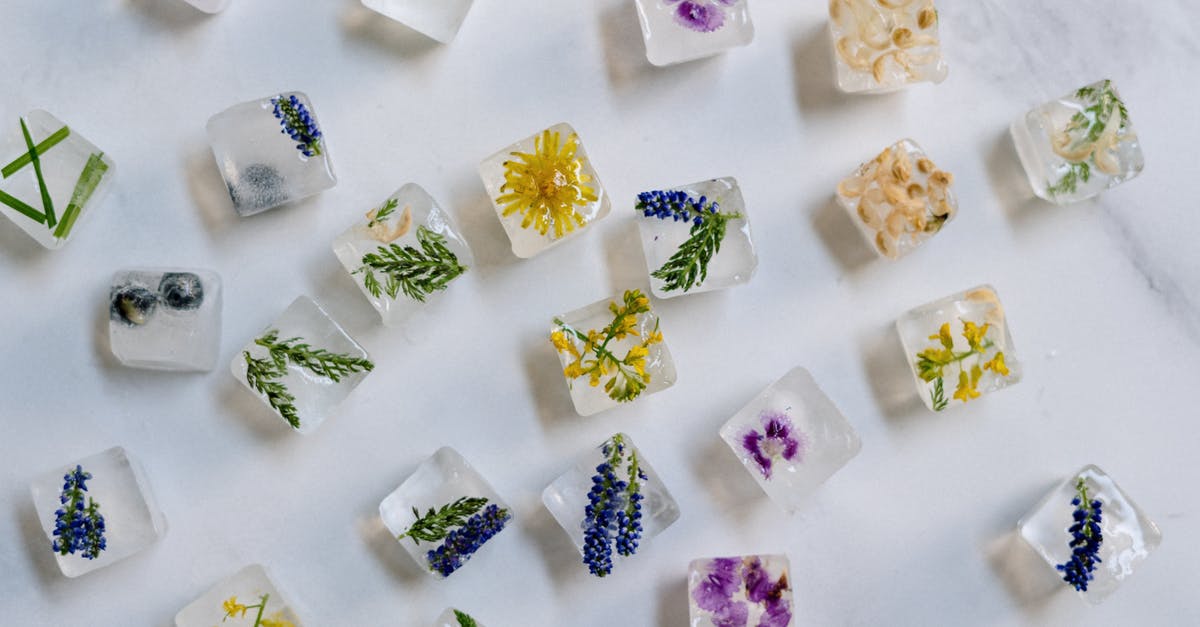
x: 249, y: 598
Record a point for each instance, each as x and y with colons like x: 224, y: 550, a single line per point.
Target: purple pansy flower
x: 779, y: 439
x: 704, y: 16
x: 761, y: 590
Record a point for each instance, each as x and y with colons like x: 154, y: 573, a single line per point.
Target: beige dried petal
x: 886, y: 244
x: 927, y: 17
x: 925, y: 165
x: 915, y: 190
x: 854, y: 54
x: 895, y: 4
x: 895, y: 194
x: 943, y: 208
x: 382, y: 233
x: 852, y: 187
x: 905, y: 38
x: 869, y: 214
x: 941, y: 178
x: 902, y: 169
x: 895, y: 223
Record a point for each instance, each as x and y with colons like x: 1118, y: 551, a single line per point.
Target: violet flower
x: 729, y: 577
x: 779, y: 440
x: 704, y: 16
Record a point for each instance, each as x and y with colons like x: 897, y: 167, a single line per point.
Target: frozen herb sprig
x: 464, y: 620
x: 592, y: 357
x: 298, y: 124
x: 78, y: 526
x: 932, y: 363
x: 234, y: 609
x: 384, y: 212
x: 464, y: 541
x: 416, y: 273
x: 613, y: 515
x: 264, y: 374
x: 436, y: 523
x: 689, y: 265
x: 1089, y: 136
x: 1086, y: 538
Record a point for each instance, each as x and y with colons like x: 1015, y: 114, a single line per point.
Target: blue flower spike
x: 298, y: 124
x: 78, y: 527
x: 1086, y: 539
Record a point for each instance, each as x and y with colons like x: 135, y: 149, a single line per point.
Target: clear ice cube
x: 1127, y: 535
x: 165, y: 319
x: 621, y: 522
x: 544, y: 189
x: 899, y: 199
x: 267, y: 160
x: 445, y: 480
x: 881, y: 46
x: 959, y: 347
x: 1077, y: 146
x: 128, y: 514
x: 303, y: 392
x: 631, y: 360
x: 676, y: 31
x: 742, y: 590
x: 671, y: 224
x: 402, y: 253
x: 791, y: 438
x: 70, y: 172
x: 438, y: 19
x: 250, y: 587
x: 210, y: 6
x: 456, y: 618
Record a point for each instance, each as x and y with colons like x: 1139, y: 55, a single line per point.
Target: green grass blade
x: 41, y: 148
x: 47, y: 204
x: 88, y: 181
x: 15, y: 203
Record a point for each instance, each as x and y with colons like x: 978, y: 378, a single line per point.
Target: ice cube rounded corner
x: 677, y: 32
x: 97, y: 511
x: 959, y: 348
x: 1078, y: 146
x: 165, y: 318
x: 673, y: 223
x: 439, y: 20
x: 1090, y: 533
x: 403, y: 253
x: 251, y: 588
x: 271, y: 152
x: 880, y: 47
x: 544, y: 189
x: 51, y: 196
x: 631, y: 361
x: 210, y: 6
x: 753, y: 589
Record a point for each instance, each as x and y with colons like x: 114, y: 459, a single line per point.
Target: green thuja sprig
x: 689, y: 264
x: 1075, y: 174
x: 1089, y: 125
x: 436, y: 523
x: 416, y: 273
x: 937, y: 396
x: 263, y: 374
x: 464, y: 620
x: 384, y: 212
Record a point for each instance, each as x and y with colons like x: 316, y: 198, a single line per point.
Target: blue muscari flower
x: 298, y: 124
x: 676, y: 205
x: 460, y: 543
x: 78, y: 527
x: 1086, y: 538
x: 613, y: 516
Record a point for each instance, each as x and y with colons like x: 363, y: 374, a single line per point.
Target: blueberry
x: 181, y: 290
x: 132, y: 304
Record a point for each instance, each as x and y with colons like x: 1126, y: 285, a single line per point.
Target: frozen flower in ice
x: 703, y: 16
x: 779, y: 439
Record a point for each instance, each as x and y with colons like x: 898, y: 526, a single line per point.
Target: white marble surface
x: 1102, y: 298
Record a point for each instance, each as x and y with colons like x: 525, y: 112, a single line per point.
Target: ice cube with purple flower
x: 683, y: 30
x: 740, y: 591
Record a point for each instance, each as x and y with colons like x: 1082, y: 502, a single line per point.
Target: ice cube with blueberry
x: 248, y: 598
x: 165, y: 319
x: 437, y: 19
x: 741, y: 590
x: 676, y: 31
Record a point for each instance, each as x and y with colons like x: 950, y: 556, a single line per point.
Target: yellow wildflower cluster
x: 932, y: 362
x: 546, y: 185
x: 234, y: 609
x: 591, y: 356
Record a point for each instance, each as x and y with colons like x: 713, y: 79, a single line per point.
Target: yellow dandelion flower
x: 967, y: 385
x: 546, y: 186
x: 944, y: 335
x: 233, y: 608
x: 997, y: 365
x: 975, y: 334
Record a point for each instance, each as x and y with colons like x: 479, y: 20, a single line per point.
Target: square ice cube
x: 209, y: 6
x: 676, y: 31
x: 303, y: 365
x: 250, y: 588
x: 544, y: 189
x: 49, y: 197
x: 899, y: 199
x: 602, y: 523
x: 271, y: 151
x: 963, y: 338
x: 1126, y: 535
x: 165, y: 319
x: 1077, y: 146
x: 791, y: 438
x: 668, y: 226
x: 402, y: 253
x: 444, y: 512
x: 456, y: 618
x: 629, y: 360
x: 105, y: 508
x: 743, y: 590
x: 881, y: 46
x: 438, y: 19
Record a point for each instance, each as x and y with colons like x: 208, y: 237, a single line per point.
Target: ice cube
x: 302, y: 365
x: 959, y: 347
x: 1126, y: 535
x: 50, y: 196
x: 676, y: 31
x: 881, y: 46
x: 104, y: 508
x: 444, y: 488
x: 544, y: 189
x: 438, y: 19
x: 899, y: 199
x: 631, y: 359
x: 403, y: 253
x: 456, y: 618
x: 165, y: 319
x: 668, y: 226
x: 210, y: 6
x: 271, y: 151
x: 1077, y: 146
x: 250, y: 588
x: 743, y: 590
x: 604, y: 524
x: 791, y: 438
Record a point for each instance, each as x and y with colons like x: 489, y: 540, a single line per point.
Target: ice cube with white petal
x: 302, y: 365
x: 50, y: 196
x: 791, y: 438
x: 881, y: 45
x: 437, y: 19
x: 165, y: 319
x: 250, y: 587
x: 676, y: 31
x: 1127, y: 535
x: 125, y: 512
x: 742, y: 590
x: 271, y: 151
